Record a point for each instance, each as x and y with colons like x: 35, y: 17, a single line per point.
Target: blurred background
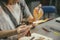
x: 33, y: 3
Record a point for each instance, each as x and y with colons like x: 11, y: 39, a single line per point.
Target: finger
x: 23, y: 34
x: 27, y: 31
x: 22, y: 26
x: 30, y: 26
x: 23, y: 30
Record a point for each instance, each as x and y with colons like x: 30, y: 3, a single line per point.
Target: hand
x: 30, y: 19
x: 22, y: 30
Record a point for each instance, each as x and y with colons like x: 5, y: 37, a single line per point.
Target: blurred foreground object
x: 36, y: 36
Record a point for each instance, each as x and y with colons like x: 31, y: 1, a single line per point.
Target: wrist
x: 16, y: 32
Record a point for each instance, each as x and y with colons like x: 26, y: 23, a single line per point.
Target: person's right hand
x: 23, y: 30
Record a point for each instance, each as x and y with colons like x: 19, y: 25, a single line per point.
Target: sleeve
x: 27, y: 13
x: 5, y: 22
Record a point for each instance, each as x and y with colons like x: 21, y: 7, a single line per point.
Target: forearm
x: 7, y: 33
